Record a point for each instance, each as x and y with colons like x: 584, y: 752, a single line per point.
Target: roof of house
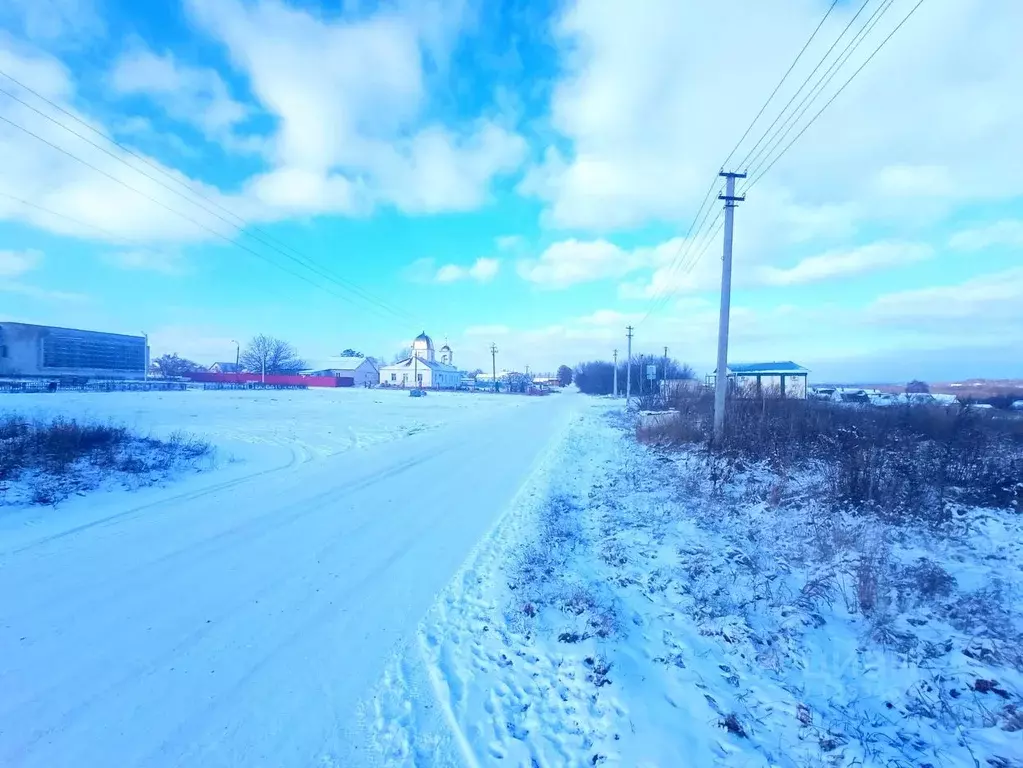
x: 753, y: 369
x: 433, y: 365
x: 227, y: 367
x: 337, y: 364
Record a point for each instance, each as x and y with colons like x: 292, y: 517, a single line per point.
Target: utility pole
x: 237, y: 355
x: 628, y: 374
x: 664, y: 368
x: 493, y: 363
x: 616, y: 373
x: 721, y: 377
x: 145, y: 372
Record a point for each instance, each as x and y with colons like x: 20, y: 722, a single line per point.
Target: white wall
x: 365, y: 374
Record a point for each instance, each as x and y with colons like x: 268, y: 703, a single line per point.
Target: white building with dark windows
x: 422, y: 368
x: 48, y: 351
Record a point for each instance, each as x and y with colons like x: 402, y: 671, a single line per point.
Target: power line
x: 265, y: 239
x: 73, y: 220
x: 745, y: 160
x: 183, y: 216
x: 782, y: 81
x: 692, y: 250
x: 679, y: 265
x: 835, y: 95
x: 815, y: 91
x: 676, y: 265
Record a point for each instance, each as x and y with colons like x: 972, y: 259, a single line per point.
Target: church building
x: 422, y: 368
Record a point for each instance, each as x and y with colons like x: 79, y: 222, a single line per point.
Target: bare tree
x: 277, y: 355
x: 172, y: 365
x: 402, y: 354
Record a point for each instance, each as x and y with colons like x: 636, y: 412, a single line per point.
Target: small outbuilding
x: 778, y: 379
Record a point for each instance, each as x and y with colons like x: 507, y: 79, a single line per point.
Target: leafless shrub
x: 61, y: 456
x: 982, y: 613
x: 924, y: 579
x: 909, y: 462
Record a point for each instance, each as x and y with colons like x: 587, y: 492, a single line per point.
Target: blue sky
x: 518, y: 172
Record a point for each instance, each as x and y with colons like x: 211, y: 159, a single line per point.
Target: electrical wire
x: 244, y: 227
x: 693, y: 251
x: 834, y: 96
x: 782, y: 81
x: 166, y: 207
x: 815, y: 91
x: 745, y: 161
x: 105, y: 232
x: 680, y: 262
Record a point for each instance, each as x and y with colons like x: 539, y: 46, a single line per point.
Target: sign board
x: 651, y: 372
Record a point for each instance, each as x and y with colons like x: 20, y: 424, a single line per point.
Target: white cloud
x: 509, y: 242
x: 914, y: 181
x: 483, y: 270
x: 41, y: 294
x: 426, y: 271
x: 827, y: 266
x: 569, y: 262
x: 338, y: 115
x: 347, y: 137
x: 16, y: 263
x: 164, y: 262
x: 986, y: 301
x: 193, y: 95
x: 610, y: 318
x: 645, y: 128
x: 1007, y: 232
x: 66, y: 22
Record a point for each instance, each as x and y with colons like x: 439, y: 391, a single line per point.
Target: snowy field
x: 238, y: 616
x: 643, y: 608
x: 253, y: 432
x: 266, y: 425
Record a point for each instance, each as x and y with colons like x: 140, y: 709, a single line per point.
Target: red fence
x: 271, y: 379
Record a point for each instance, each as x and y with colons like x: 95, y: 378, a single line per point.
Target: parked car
x: 1017, y: 405
x: 850, y: 397
x: 822, y: 393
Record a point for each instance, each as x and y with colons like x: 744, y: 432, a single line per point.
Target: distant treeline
x: 597, y: 376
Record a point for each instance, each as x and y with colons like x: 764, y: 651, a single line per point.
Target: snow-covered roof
x: 227, y: 367
x: 433, y: 365
x: 335, y: 364
x: 754, y: 369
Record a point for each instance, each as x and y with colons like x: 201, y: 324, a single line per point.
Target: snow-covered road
x: 241, y: 623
